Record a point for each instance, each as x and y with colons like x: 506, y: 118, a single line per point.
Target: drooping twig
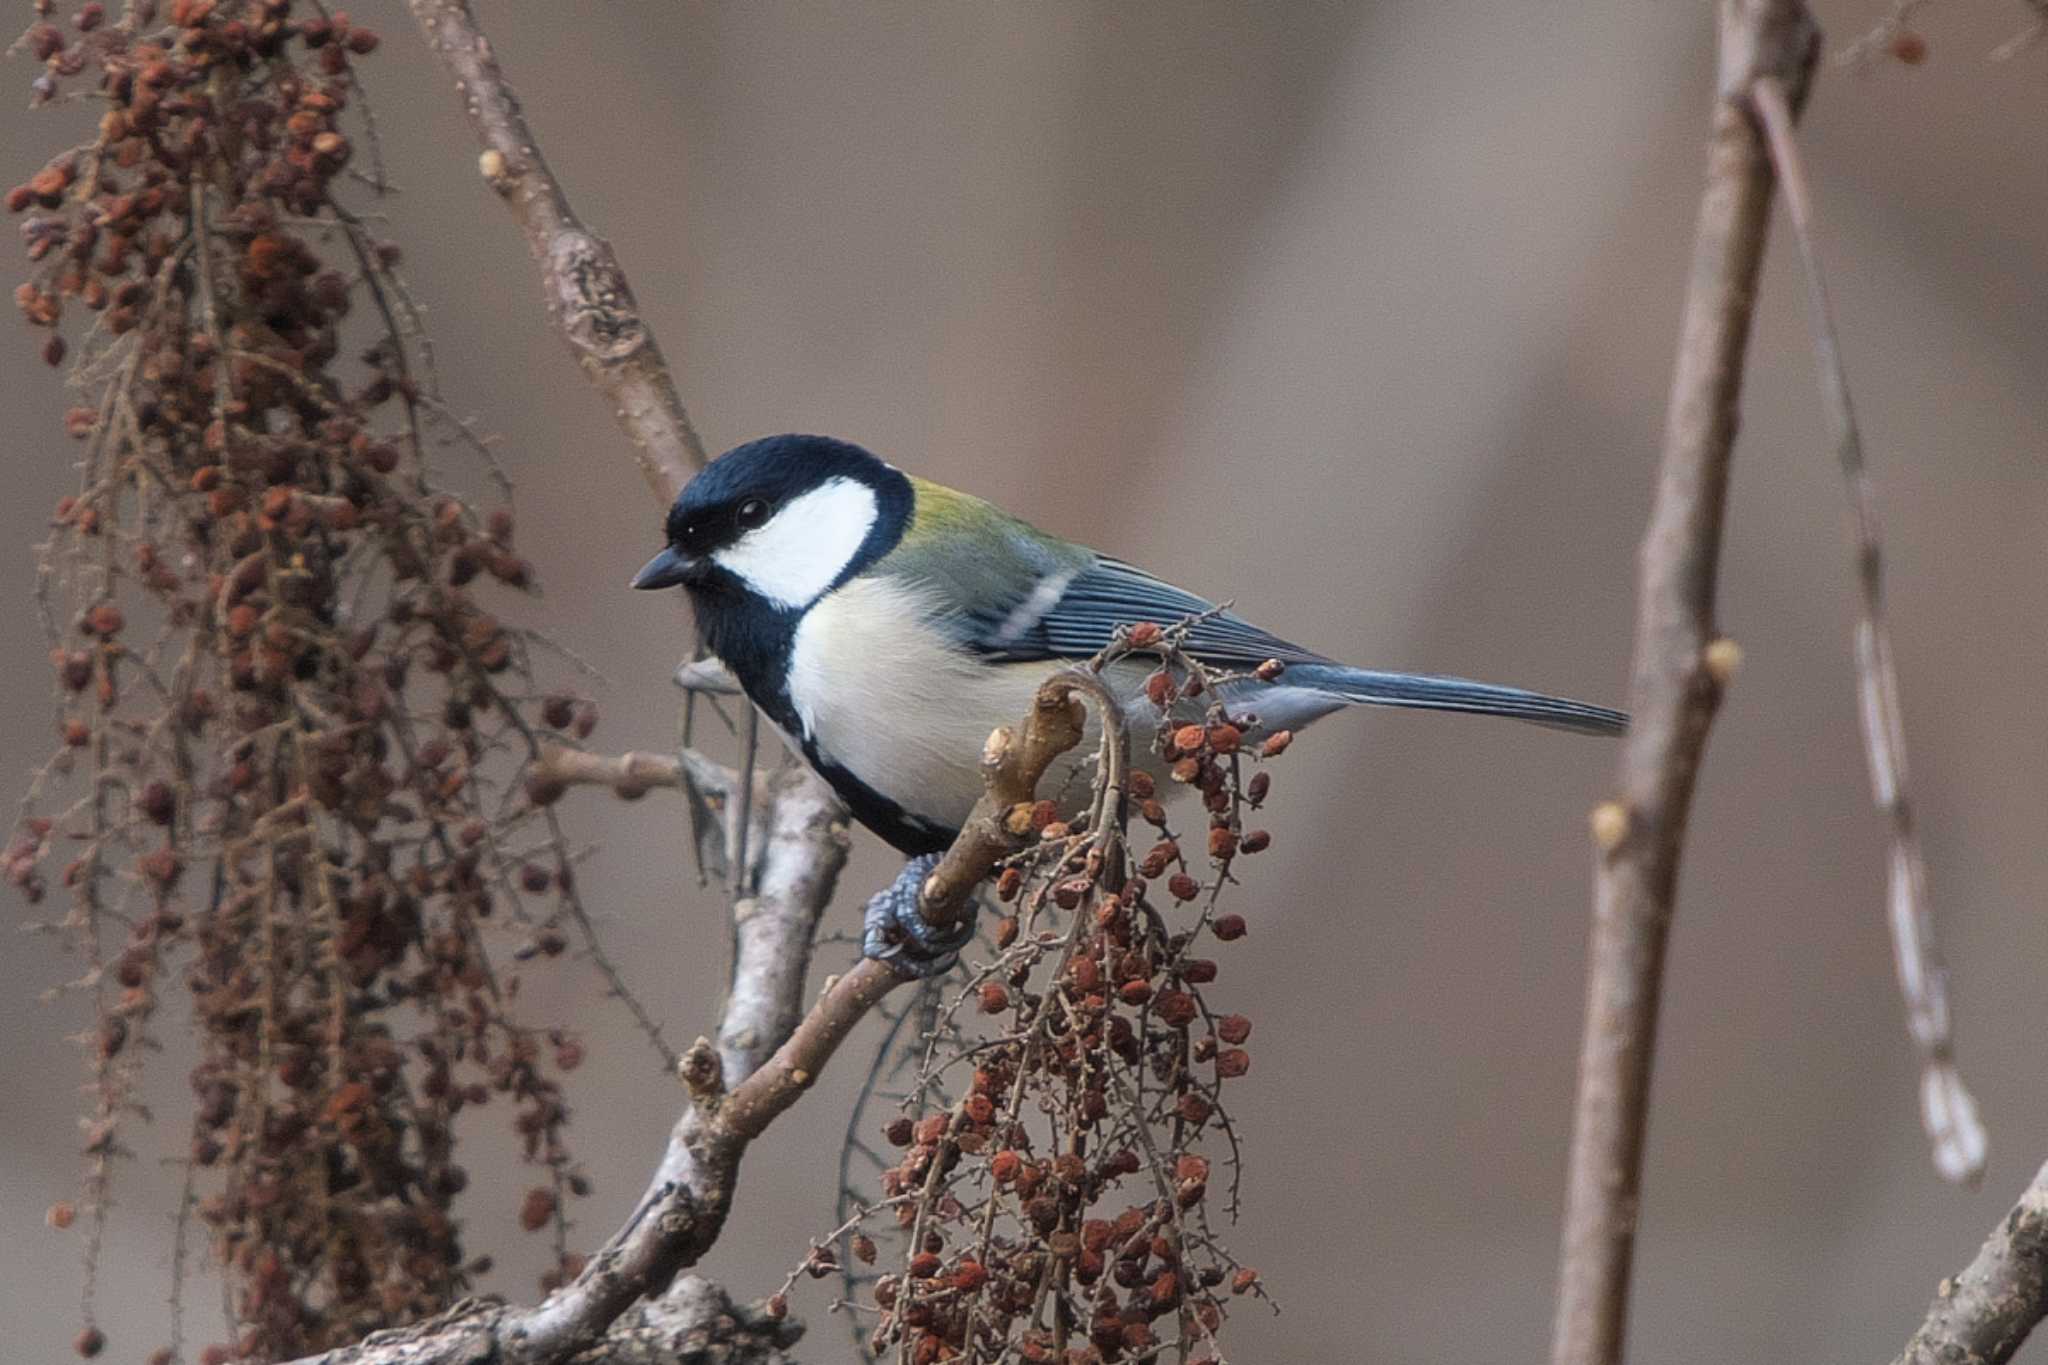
x: 1982, y: 1315
x: 1674, y: 689
x: 1946, y: 1108
x: 586, y: 291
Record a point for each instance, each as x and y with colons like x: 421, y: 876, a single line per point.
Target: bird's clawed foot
x: 892, y: 931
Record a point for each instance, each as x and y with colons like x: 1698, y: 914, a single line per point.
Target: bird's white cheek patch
x: 805, y: 545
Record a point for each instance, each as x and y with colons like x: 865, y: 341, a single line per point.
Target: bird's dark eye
x: 752, y: 513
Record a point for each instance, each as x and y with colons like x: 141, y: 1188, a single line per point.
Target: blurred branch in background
x: 1895, y: 34
x: 1677, y: 678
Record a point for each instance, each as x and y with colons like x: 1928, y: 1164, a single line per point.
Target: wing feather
x: 1074, y: 616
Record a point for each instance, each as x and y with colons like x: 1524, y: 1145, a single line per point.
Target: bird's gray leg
x: 893, y: 932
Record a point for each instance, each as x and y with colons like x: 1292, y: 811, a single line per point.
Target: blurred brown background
x: 1361, y: 315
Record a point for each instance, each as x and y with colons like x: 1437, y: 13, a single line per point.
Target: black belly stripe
x: 909, y: 834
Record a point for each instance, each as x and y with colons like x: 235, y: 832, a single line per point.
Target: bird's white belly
x: 884, y: 694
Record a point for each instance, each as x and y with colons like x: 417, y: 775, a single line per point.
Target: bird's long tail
x: 1426, y: 692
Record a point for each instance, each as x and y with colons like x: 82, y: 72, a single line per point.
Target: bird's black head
x: 784, y: 520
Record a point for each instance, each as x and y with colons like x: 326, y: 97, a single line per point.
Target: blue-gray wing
x: 1074, y: 612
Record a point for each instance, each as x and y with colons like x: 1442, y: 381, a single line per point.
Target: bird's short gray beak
x: 665, y: 570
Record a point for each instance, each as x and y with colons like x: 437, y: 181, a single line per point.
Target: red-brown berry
x: 537, y: 1208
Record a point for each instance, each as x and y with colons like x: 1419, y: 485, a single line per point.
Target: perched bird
x: 887, y: 624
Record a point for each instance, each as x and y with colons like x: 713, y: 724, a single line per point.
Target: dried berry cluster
x: 290, y: 729
x: 1059, y: 1209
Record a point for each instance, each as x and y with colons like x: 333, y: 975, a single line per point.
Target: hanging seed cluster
x: 1053, y: 1186
x: 290, y: 718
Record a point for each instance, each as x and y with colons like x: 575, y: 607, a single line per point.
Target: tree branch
x: 802, y: 853
x: 586, y: 291
x: 1981, y: 1316
x: 1675, y: 688
x: 694, y: 1323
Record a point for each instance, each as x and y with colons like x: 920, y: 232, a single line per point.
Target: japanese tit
x: 887, y: 624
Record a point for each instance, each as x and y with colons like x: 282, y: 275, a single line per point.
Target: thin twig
x: 1674, y: 691
x: 1946, y: 1109
x: 630, y: 775
x: 1881, y: 35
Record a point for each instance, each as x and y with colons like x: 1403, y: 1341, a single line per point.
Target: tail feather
x: 1426, y: 692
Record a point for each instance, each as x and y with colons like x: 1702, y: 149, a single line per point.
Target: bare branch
x: 586, y: 291
x: 1946, y: 1109
x: 694, y: 1321
x: 1674, y: 689
x: 801, y: 854
x: 1982, y: 1315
